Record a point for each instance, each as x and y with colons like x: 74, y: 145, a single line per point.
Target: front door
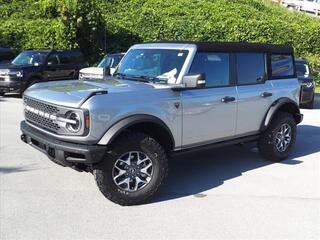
x: 209, y: 114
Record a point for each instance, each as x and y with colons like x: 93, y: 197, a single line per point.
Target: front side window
x: 282, y: 66
x: 152, y: 63
x: 30, y: 58
x: 110, y: 61
x: 53, y: 59
x: 250, y: 68
x: 215, y: 66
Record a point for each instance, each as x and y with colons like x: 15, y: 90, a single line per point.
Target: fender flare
x: 275, y: 106
x: 124, y: 123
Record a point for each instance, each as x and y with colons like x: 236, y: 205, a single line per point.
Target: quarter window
x: 250, y: 68
x: 215, y: 66
x: 282, y: 66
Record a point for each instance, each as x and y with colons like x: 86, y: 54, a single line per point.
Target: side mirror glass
x: 194, y: 80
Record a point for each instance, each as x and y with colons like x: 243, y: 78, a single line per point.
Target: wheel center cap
x: 132, y: 170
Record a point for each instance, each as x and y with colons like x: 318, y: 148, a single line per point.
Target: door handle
x: 228, y: 99
x: 266, y: 94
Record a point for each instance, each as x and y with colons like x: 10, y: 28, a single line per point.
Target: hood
x: 92, y: 70
x: 75, y: 92
x: 306, y: 78
x: 14, y: 67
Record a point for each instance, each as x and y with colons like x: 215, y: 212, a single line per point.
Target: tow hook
x: 23, y: 138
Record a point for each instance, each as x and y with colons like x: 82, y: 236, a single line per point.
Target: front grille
x: 42, y: 120
x: 41, y: 106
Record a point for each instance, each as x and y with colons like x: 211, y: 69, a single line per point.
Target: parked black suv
x: 307, y: 83
x: 6, y: 55
x: 34, y: 66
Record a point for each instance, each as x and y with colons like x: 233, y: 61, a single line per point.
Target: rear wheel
x: 277, y: 141
x: 133, y: 171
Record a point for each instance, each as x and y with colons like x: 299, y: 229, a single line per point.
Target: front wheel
x: 133, y: 170
x: 277, y: 141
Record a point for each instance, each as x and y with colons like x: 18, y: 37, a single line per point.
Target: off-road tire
x: 131, y: 141
x: 267, y: 142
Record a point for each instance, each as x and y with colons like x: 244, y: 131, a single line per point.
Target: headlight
x: 73, y: 122
x: 309, y: 84
x: 18, y: 74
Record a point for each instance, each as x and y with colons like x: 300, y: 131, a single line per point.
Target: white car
x: 291, y: 3
x: 310, y: 6
x: 110, y: 60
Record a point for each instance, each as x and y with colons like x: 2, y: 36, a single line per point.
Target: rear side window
x: 215, y: 66
x: 282, y: 66
x: 70, y: 57
x: 250, y: 68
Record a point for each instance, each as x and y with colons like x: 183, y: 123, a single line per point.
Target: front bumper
x: 77, y: 156
x: 11, y: 86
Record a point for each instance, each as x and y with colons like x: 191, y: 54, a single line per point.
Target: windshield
x: 30, y: 58
x: 153, y: 63
x: 110, y: 61
x: 302, y: 69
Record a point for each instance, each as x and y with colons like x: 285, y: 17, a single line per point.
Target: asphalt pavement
x: 227, y: 193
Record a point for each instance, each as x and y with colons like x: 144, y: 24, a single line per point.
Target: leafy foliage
x: 98, y: 26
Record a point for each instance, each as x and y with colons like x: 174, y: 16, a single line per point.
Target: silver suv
x: 165, y: 98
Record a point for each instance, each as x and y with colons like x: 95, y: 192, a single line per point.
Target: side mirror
x: 262, y: 78
x: 106, y: 72
x: 194, y: 80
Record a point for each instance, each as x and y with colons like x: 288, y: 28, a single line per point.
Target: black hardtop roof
x: 237, y: 47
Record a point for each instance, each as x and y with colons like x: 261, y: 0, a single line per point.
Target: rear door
x: 254, y: 92
x: 209, y: 114
x: 51, y: 71
x: 68, y: 64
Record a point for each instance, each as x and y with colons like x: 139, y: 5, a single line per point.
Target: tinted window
x: 30, y: 58
x: 215, y: 66
x: 53, y: 59
x: 250, y: 68
x: 70, y: 57
x: 282, y: 65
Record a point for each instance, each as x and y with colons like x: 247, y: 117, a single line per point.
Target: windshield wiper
x: 133, y: 77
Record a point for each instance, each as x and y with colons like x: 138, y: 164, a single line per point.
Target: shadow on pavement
x: 7, y: 96
x: 193, y: 173
x: 7, y: 170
